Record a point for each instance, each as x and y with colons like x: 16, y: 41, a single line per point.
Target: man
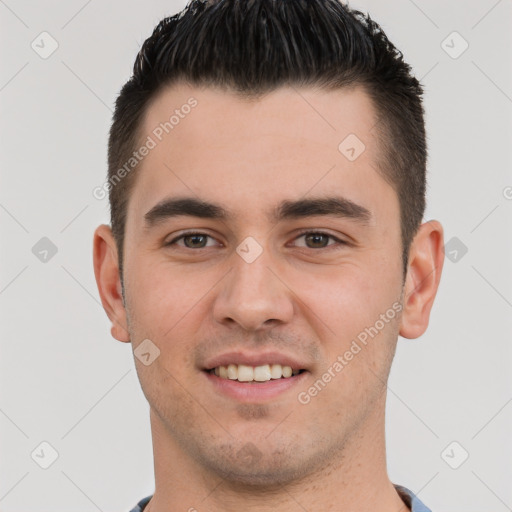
x: 267, y: 188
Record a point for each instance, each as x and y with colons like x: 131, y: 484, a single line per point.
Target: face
x: 303, y: 269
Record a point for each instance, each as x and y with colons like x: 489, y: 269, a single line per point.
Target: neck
x: 354, y: 478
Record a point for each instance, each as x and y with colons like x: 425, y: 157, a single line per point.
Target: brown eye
x: 191, y: 240
x: 319, y: 240
x: 195, y: 241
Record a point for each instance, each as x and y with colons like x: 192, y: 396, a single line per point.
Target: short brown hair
x: 252, y: 47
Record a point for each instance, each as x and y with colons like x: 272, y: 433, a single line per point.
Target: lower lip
x: 254, y: 391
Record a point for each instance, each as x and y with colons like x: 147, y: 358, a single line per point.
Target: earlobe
x: 106, y: 272
x: 426, y: 258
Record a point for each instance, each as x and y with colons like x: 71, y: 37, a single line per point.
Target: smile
x: 262, y: 373
x: 251, y: 389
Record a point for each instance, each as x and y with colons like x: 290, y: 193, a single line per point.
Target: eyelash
x: 338, y: 241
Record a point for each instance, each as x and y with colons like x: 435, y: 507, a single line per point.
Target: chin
x: 251, y: 469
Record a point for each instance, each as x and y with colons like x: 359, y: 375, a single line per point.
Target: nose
x: 254, y: 295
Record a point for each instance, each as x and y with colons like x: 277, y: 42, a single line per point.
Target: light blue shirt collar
x: 409, y: 498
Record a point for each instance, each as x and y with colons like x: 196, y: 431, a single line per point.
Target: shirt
x: 409, y: 498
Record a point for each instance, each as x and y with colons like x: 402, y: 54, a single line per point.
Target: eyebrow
x: 334, y: 206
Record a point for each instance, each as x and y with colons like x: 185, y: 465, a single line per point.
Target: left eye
x: 317, y: 238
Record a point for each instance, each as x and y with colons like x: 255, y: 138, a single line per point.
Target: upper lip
x: 254, y: 359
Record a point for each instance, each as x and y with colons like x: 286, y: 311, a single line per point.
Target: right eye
x: 197, y: 240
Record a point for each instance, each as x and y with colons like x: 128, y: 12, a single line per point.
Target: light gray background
x: 65, y: 381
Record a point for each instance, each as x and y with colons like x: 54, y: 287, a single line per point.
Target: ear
x: 106, y: 271
x: 426, y: 258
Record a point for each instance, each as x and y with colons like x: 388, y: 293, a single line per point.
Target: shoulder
x: 411, y: 500
x: 141, y: 504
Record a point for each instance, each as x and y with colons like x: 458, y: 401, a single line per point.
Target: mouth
x: 254, y: 374
x: 254, y: 384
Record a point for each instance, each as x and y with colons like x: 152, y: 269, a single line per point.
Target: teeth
x: 232, y: 372
x: 244, y: 373
x: 262, y: 373
x: 276, y: 371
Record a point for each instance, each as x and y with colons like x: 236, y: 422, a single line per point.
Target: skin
x: 308, y: 298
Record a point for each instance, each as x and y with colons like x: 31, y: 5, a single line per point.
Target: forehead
x: 255, y: 153
x: 213, y: 115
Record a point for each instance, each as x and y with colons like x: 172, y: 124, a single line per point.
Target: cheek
x: 163, y: 388
x: 350, y: 304
x: 349, y: 298
x: 167, y: 306
x: 160, y: 296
